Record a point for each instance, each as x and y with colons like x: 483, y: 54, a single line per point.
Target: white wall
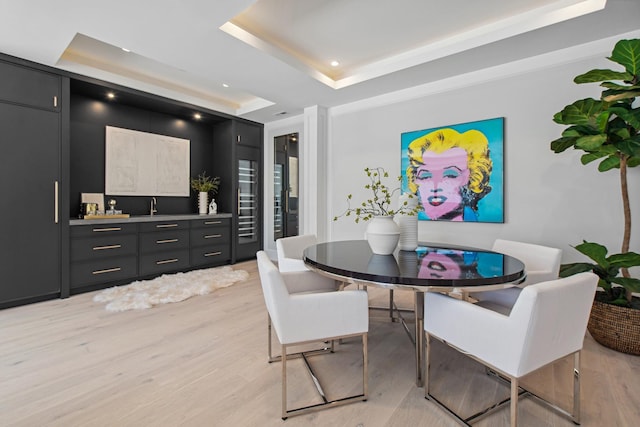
x: 550, y: 198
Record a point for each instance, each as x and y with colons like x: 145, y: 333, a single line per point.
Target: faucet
x: 153, y: 209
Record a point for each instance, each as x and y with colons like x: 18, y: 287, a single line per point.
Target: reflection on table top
x: 429, y: 265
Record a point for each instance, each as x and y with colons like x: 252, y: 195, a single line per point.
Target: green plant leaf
x: 627, y: 54
x: 633, y: 162
x: 622, y: 133
x: 590, y: 157
x: 630, y: 116
x: 611, y: 162
x: 567, y: 270
x: 625, y: 260
x: 619, y: 87
x: 598, y: 75
x: 595, y: 251
x: 614, y: 95
x: 561, y: 144
x: 628, y: 147
x: 628, y: 283
x: 581, y: 112
x: 591, y: 142
x: 620, y: 301
x: 604, y: 285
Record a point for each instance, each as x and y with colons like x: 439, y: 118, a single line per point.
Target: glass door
x: 248, y: 203
x: 285, y: 186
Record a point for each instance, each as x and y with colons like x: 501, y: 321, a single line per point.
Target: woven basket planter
x: 615, y: 327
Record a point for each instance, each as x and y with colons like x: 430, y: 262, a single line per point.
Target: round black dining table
x: 430, y: 268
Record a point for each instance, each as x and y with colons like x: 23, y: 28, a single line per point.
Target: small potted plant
x: 382, y: 232
x: 203, y: 184
x: 608, y: 130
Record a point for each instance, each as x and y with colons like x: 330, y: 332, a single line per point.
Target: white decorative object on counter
x: 408, y: 225
x: 213, y: 207
x: 203, y: 202
x: 383, y: 235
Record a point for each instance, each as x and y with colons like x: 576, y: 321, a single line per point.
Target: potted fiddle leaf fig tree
x: 608, y: 131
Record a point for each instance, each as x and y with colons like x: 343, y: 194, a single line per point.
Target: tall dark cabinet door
x: 249, y: 219
x: 29, y: 187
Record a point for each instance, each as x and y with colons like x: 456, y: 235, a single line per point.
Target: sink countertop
x: 146, y: 218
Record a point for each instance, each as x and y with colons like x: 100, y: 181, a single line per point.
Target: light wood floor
x: 202, y: 362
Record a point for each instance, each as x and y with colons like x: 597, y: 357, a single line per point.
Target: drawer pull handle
x: 107, y: 229
x: 212, y: 222
x: 166, y: 225
x: 166, y: 241
x: 213, y: 253
x: 212, y: 236
x: 167, y: 261
x: 108, y: 270
x: 99, y: 248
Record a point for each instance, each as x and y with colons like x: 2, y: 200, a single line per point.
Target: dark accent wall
x: 90, y: 116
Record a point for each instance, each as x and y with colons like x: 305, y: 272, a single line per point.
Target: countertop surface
x: 146, y: 218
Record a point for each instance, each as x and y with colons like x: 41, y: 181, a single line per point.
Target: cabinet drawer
x: 164, y: 261
x: 211, y: 222
x: 164, y: 226
x: 217, y: 254
x: 164, y: 241
x: 102, y: 271
x: 92, y: 248
x: 209, y: 236
x: 103, y: 230
x: 31, y: 87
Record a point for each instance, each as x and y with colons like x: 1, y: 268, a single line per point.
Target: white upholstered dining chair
x: 542, y: 263
x: 547, y: 322
x: 290, y: 251
x: 300, y: 318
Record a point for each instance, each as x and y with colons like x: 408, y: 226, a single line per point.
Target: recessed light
x: 334, y: 63
x: 197, y: 116
x: 111, y: 95
x: 125, y: 49
x: 225, y: 85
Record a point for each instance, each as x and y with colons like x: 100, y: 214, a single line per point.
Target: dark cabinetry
x: 164, y: 246
x: 26, y: 86
x: 210, y: 241
x: 103, y: 253
x: 114, y: 253
x: 248, y: 157
x: 238, y: 148
x: 30, y: 184
x: 52, y: 128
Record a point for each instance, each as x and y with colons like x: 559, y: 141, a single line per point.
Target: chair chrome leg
x: 270, y: 357
x: 365, y: 366
x: 427, y: 363
x: 514, y: 402
x: 515, y: 391
x: 576, y: 388
x: 283, y: 359
x: 326, y: 403
x: 419, y: 333
x: 391, y: 305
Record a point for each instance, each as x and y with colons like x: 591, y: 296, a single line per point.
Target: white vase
x: 408, y: 226
x: 383, y: 235
x: 203, y: 202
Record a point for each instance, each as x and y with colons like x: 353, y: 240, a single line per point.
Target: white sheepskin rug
x: 168, y: 288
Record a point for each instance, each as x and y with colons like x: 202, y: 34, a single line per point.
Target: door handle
x: 56, y: 202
